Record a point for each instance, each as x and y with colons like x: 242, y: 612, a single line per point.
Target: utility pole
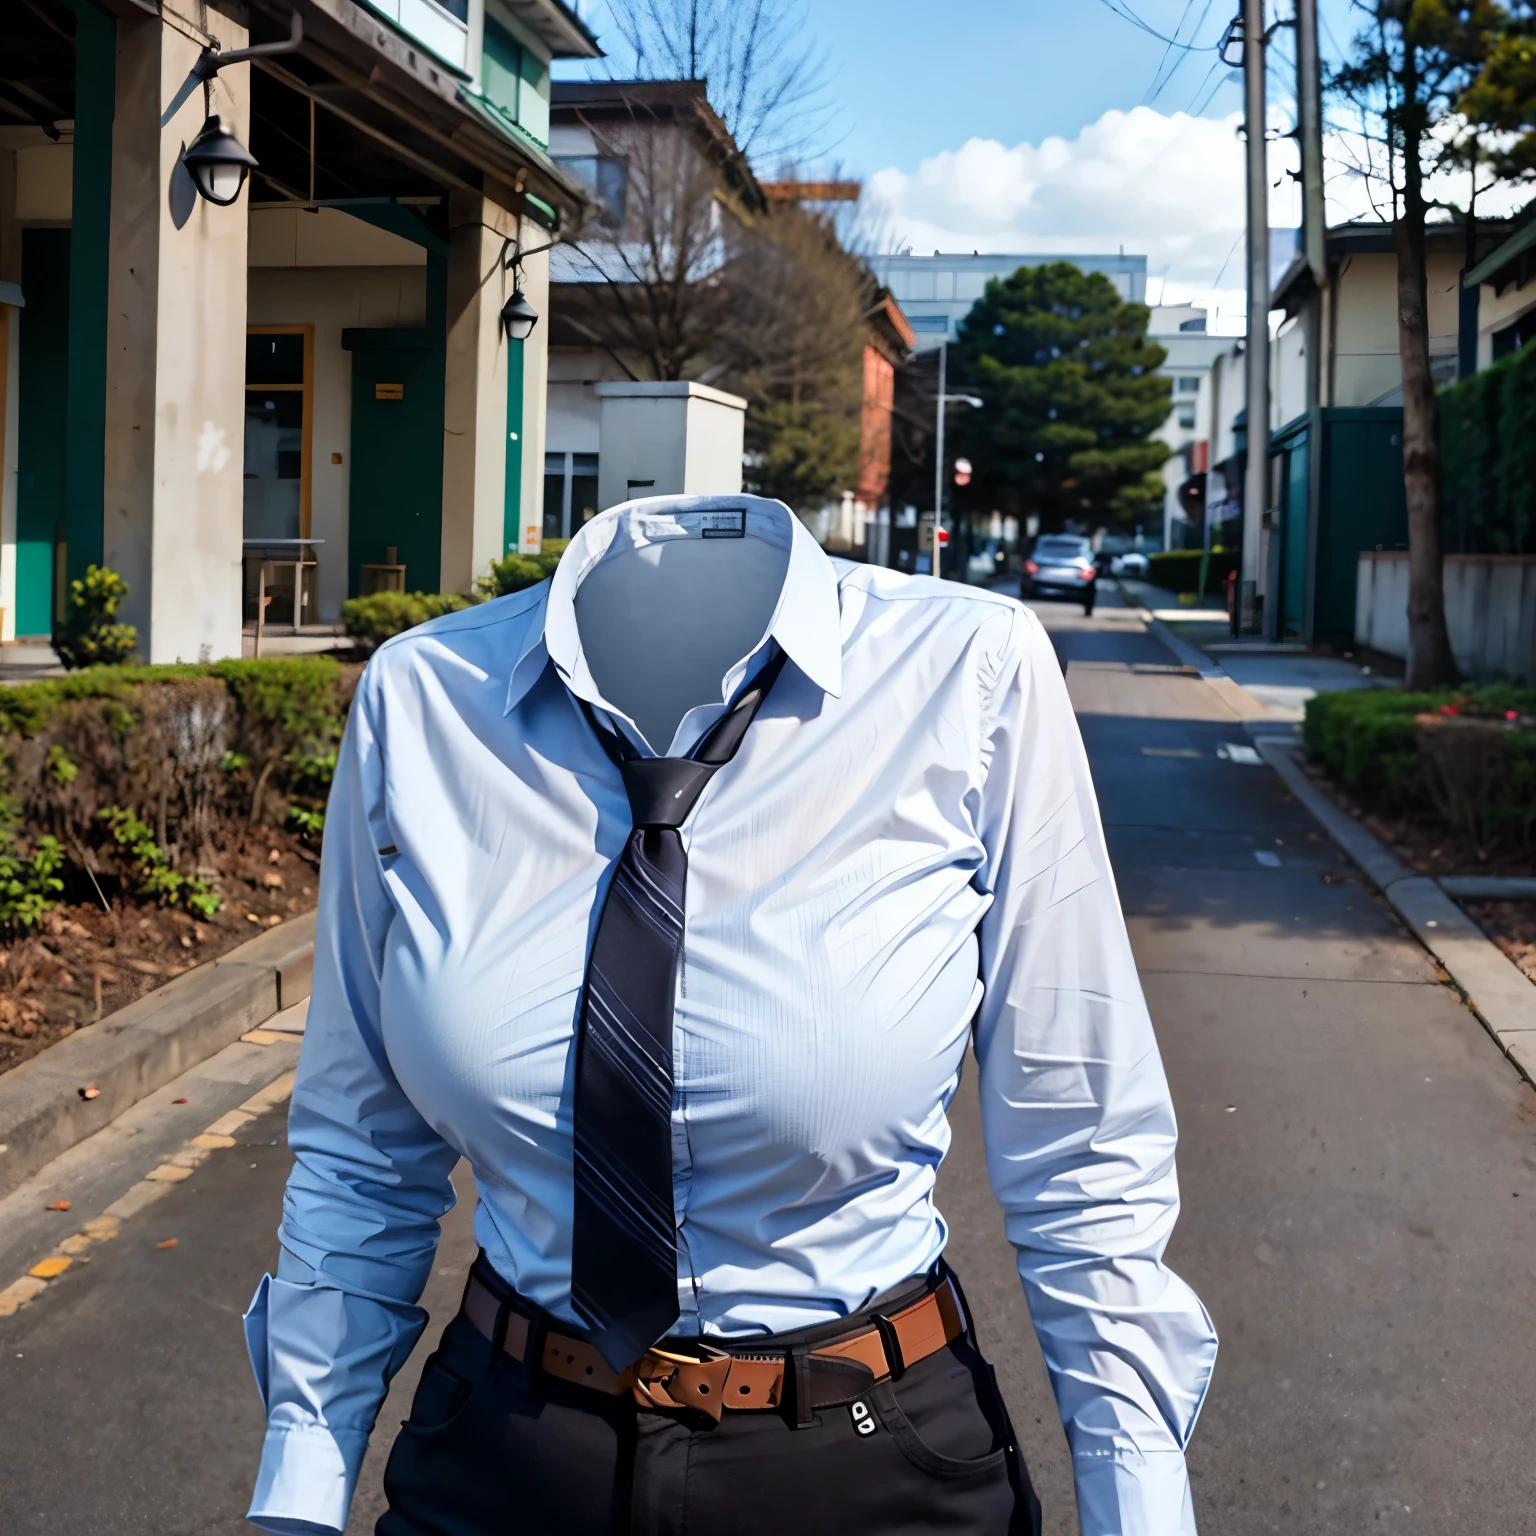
x: 1256, y: 480
x: 938, y: 469
x: 1314, y: 238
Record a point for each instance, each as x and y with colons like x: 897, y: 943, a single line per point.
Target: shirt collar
x: 806, y: 621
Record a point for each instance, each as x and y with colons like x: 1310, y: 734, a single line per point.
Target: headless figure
x: 663, y: 623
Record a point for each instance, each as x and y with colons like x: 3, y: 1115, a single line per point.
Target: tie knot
x: 663, y: 790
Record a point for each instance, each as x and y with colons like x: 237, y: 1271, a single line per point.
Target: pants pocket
x: 456, y: 1371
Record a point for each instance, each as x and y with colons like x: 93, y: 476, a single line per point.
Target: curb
x: 1231, y: 693
x: 1495, y: 988
x: 138, y: 1049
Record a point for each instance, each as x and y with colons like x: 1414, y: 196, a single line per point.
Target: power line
x: 1125, y: 13
x: 1158, y: 82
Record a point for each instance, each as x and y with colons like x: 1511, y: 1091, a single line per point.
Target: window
x: 570, y: 493
x: 929, y: 325
x: 583, y: 489
x: 279, y: 386
x: 1514, y: 336
x: 604, y: 180
x: 1187, y: 385
x: 554, y: 495
x: 970, y: 285
x: 1187, y: 417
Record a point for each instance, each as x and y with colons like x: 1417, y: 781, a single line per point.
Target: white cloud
x: 1166, y: 187
x: 1170, y: 188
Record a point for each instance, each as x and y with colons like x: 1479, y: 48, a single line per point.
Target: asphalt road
x: 1358, y: 1165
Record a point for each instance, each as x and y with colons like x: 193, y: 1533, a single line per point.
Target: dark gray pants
x: 489, y: 1451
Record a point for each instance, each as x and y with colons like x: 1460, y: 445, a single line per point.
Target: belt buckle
x: 669, y: 1380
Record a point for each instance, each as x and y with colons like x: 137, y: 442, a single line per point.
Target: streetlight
x: 518, y: 316
x: 218, y: 162
x: 944, y: 400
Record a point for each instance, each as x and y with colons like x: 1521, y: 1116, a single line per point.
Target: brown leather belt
x: 714, y: 1379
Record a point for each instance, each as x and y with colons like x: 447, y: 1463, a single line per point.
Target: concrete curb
x: 139, y: 1048
x: 1497, y: 990
x: 1231, y: 693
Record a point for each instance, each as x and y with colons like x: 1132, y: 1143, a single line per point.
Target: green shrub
x: 152, y: 866
x: 203, y: 756
x: 1178, y: 570
x: 1488, y: 458
x: 515, y: 572
x: 93, y: 636
x: 370, y: 621
x: 29, y: 885
x: 1472, y: 761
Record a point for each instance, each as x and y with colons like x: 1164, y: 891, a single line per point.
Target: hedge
x: 370, y: 621
x: 1488, y: 458
x: 1178, y: 570
x: 141, y: 778
x: 1467, y: 757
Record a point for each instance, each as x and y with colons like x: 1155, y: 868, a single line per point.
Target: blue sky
x: 1053, y: 125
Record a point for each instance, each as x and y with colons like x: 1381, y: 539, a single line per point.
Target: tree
x: 793, y: 341
x: 1412, y: 62
x: 1070, y: 399
x: 765, y: 79
x: 1502, y: 98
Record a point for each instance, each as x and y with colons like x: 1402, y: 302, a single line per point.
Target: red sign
x: 941, y: 536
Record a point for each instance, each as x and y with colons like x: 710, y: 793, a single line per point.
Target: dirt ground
x: 1512, y: 926
x: 84, y: 960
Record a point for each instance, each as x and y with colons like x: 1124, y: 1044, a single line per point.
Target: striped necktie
x: 624, y: 1240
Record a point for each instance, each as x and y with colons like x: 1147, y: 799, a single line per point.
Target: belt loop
x: 892, y: 1344
x: 533, y: 1360
x: 797, y: 1366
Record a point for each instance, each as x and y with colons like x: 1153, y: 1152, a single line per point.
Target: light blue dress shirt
x: 904, y: 856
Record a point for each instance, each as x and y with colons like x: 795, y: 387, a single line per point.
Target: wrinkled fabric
x: 904, y: 855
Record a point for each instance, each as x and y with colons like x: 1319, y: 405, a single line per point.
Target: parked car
x: 1132, y: 563
x: 1061, y: 565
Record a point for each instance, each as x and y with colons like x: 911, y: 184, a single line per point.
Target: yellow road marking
x: 151, y: 1187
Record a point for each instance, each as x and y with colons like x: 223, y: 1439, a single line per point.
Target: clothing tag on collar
x: 723, y: 525
x: 663, y: 528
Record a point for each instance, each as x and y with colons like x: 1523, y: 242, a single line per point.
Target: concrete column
x: 475, y: 396
x: 175, y: 354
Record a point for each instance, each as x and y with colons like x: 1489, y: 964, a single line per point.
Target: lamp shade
x: 519, y: 316
x: 218, y: 162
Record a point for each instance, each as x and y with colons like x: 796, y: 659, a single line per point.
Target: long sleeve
x: 369, y: 1183
x: 1078, y: 1122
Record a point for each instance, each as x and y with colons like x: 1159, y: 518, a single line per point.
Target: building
x: 1181, y: 330
x: 317, y: 370
x: 1504, y: 282
x: 937, y: 292
x: 630, y: 303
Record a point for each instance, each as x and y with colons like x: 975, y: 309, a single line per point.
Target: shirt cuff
x: 305, y: 1484
x: 1129, y: 1493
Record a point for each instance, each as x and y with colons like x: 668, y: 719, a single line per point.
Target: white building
x: 1181, y: 330
x: 937, y: 292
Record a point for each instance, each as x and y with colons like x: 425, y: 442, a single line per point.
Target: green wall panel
x: 42, y: 423
x: 512, y: 500
x: 85, y: 461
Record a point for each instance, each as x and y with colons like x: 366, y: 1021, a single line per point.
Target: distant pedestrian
x: 695, y: 1020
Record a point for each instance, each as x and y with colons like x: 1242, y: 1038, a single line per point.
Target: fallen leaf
x: 178, y: 1101
x: 251, y: 917
x: 90, y: 1093
x: 274, y: 920
x: 272, y: 880
x: 57, y: 1205
x: 169, y: 1242
x: 274, y: 857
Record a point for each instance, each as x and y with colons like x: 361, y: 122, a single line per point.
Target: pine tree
x: 1070, y: 397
